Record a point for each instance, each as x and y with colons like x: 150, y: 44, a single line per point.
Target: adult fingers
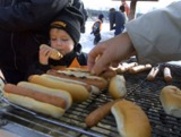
x: 102, y: 63
x: 93, y: 56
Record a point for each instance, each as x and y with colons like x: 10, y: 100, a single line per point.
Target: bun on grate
x: 117, y: 87
x: 131, y: 119
x: 170, y: 98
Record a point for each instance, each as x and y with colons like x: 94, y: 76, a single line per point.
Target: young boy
x: 64, y: 37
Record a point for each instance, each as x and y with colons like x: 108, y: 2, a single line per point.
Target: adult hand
x: 110, y: 53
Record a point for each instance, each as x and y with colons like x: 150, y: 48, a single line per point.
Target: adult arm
x: 29, y: 14
x: 156, y: 36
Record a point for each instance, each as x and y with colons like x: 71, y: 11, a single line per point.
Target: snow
x: 87, y: 38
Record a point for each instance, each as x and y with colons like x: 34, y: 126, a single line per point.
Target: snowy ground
x: 87, y: 38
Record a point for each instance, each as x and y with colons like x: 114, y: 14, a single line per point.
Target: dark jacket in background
x: 24, y: 25
x: 117, y: 21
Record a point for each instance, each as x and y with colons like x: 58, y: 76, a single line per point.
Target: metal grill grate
x: 141, y: 91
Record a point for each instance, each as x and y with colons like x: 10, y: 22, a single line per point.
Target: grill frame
x: 142, y: 92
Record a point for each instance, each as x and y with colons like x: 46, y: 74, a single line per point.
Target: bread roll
x: 131, y: 119
x: 170, y: 98
x: 117, y: 87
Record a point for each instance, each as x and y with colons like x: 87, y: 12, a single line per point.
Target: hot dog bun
x: 50, y: 105
x: 131, y: 119
x: 170, y: 98
x: 117, y: 87
x: 78, y: 92
x: 56, y: 55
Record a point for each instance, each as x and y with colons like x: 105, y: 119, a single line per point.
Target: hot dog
x: 42, y: 101
x: 152, y: 74
x: 123, y: 67
x: 78, y: 92
x: 167, y: 74
x: 90, y: 88
x: 97, y: 115
x: 139, y: 68
x: 82, y: 76
x: 53, y: 92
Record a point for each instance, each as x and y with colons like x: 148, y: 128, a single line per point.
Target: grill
x: 141, y: 91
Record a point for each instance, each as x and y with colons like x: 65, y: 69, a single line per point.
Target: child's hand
x: 44, y: 54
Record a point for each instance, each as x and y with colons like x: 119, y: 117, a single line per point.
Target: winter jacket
x: 156, y: 36
x: 66, y: 61
x: 117, y: 21
x: 24, y: 25
x: 97, y: 26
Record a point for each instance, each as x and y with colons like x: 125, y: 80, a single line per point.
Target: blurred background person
x: 96, y: 28
x: 126, y: 7
x: 117, y: 21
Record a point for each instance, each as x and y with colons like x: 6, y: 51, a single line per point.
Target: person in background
x: 64, y: 37
x: 23, y: 28
x: 96, y: 28
x: 117, y: 21
x: 122, y: 9
x: 156, y: 43
x: 126, y: 7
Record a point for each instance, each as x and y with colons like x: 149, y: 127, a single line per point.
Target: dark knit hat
x: 70, y: 19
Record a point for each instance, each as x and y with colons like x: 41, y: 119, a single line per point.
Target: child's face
x: 61, y: 40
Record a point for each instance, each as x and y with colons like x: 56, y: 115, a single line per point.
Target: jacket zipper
x: 14, y: 52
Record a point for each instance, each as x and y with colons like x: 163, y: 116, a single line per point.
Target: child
x: 64, y: 37
x: 96, y: 28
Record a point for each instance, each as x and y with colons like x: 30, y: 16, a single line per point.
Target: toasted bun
x: 117, y: 87
x: 170, y: 98
x: 131, y: 120
x: 35, y: 105
x: 78, y: 92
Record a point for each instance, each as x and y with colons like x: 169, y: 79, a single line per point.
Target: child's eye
x: 64, y: 39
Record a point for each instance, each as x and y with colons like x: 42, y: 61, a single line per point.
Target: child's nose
x: 59, y: 42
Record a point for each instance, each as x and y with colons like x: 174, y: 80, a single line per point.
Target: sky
x: 142, y: 7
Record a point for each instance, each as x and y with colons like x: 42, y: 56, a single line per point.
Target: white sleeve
x: 156, y: 35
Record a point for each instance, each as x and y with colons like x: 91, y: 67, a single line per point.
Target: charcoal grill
x: 141, y: 91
